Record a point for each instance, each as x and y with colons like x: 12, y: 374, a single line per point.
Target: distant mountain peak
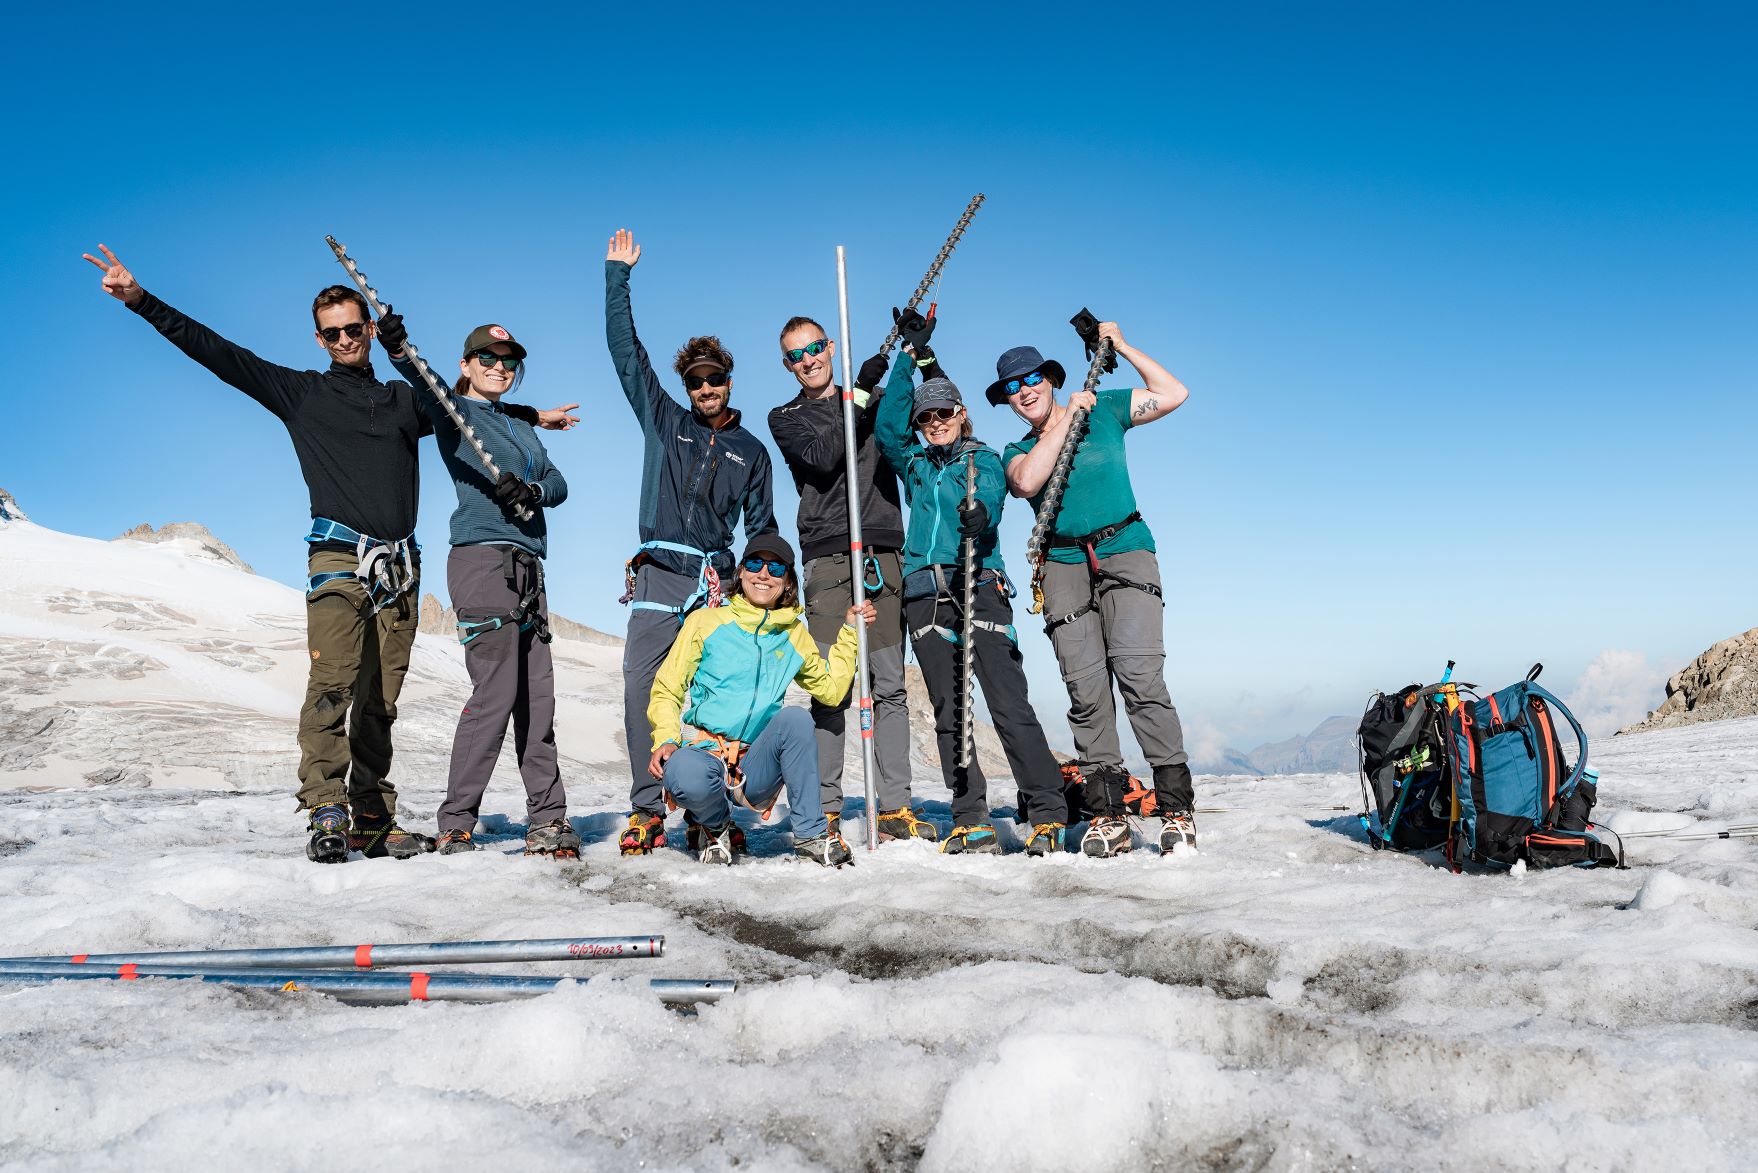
x: 9, y: 510
x: 193, y: 538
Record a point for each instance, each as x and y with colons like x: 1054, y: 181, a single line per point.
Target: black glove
x: 873, y: 372
x: 973, y: 519
x: 914, y: 329
x: 391, y: 334
x: 510, y: 492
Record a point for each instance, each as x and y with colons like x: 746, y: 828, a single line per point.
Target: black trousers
x: 1001, y: 673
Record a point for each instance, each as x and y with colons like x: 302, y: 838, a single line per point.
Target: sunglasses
x: 488, y: 358
x: 759, y: 565
x: 935, y: 413
x: 713, y: 379
x: 333, y: 334
x: 814, y: 349
x: 1012, y: 386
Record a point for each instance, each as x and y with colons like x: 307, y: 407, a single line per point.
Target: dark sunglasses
x: 758, y: 565
x: 935, y: 413
x: 713, y: 379
x: 1012, y: 386
x: 812, y: 348
x: 488, y: 358
x: 333, y: 334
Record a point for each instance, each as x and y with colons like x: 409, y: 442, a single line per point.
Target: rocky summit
x: 1719, y: 684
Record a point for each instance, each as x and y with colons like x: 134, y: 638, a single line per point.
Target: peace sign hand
x: 623, y: 248
x: 119, y: 283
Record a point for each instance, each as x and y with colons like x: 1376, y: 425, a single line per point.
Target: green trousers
x: 358, y: 661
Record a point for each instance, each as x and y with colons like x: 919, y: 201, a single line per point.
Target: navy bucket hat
x: 1022, y: 360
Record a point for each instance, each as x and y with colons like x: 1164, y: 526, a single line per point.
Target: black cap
x: 772, y: 544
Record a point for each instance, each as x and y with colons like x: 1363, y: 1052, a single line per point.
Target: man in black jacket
x: 701, y: 470
x: 808, y: 429
x: 356, y: 440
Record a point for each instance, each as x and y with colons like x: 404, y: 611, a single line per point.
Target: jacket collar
x: 353, y: 374
x: 750, y: 615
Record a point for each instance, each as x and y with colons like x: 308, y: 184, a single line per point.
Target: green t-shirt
x: 1098, y: 493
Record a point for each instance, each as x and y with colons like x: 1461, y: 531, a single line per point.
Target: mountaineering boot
x: 375, y: 841
x: 828, y: 850
x: 978, y: 838
x: 902, y: 823
x: 696, y: 836
x: 1046, y: 839
x: 1174, y: 790
x: 644, y: 833
x: 717, y: 845
x: 1179, y: 831
x: 329, y: 834
x: 554, y: 838
x: 455, y: 843
x: 1106, y: 837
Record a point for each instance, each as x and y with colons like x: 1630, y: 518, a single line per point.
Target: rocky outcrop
x: 197, y: 539
x: 1720, y: 684
x: 9, y: 510
x: 441, y: 620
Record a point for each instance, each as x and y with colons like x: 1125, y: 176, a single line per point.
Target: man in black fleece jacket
x: 809, y: 432
x: 356, y: 441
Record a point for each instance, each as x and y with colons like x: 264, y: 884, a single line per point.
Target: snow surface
x: 1282, y: 999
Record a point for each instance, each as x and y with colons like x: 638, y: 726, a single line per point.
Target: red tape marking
x: 418, y: 987
x: 363, y: 956
x: 79, y: 958
x: 127, y: 972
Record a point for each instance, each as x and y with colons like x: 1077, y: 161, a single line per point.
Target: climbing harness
x: 1100, y: 581
x: 385, y: 568
x: 427, y: 376
x: 944, y: 595
x: 525, y: 616
x: 707, y: 581
x: 731, y: 753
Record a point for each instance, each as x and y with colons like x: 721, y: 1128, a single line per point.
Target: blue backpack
x: 1485, y: 777
x: 1516, y: 796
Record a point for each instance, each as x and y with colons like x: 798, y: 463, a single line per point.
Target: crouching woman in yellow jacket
x: 720, y: 732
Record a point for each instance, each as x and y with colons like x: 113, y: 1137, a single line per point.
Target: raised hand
x: 873, y: 373
x: 557, y: 419
x: 1110, y: 330
x: 1083, y: 398
x: 623, y: 248
x: 119, y: 283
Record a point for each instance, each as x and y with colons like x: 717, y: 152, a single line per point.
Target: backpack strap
x: 1557, y: 706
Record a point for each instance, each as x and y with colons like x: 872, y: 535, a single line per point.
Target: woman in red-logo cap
x: 499, y: 536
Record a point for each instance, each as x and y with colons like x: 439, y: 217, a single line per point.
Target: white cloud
x: 1618, y: 688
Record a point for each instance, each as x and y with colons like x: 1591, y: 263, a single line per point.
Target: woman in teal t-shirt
x: 1104, y: 613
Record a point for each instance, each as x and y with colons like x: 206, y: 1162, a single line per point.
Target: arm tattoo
x: 1147, y: 408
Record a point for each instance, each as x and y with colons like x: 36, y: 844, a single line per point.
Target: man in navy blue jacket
x: 701, y: 470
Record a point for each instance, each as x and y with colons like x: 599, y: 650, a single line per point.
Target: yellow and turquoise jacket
x: 730, y: 668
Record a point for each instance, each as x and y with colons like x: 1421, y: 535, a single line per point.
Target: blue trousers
x: 784, y: 754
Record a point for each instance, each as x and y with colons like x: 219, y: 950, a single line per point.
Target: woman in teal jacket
x: 933, y: 469
x: 720, y: 731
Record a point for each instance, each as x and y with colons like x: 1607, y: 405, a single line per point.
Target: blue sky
x: 1464, y: 298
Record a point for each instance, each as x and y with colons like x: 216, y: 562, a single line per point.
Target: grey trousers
x: 651, y: 634
x: 513, y: 677
x: 1124, y: 640
x: 829, y: 592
